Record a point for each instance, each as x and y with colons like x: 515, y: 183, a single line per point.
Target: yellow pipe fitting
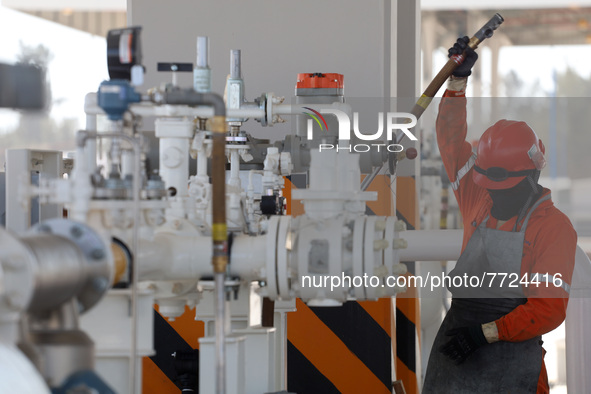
x: 121, y: 262
x: 219, y: 264
x: 218, y: 124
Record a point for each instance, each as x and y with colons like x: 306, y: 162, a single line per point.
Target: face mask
x: 509, y: 202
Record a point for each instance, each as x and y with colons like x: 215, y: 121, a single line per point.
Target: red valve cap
x: 411, y: 153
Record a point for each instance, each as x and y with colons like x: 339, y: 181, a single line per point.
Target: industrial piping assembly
x: 218, y: 239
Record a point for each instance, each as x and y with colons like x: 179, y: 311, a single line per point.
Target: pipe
x: 485, y: 32
x: 91, y: 125
x: 442, y: 245
x: 192, y: 98
x: 121, y: 261
x: 172, y: 257
x: 369, y: 178
x: 220, y: 332
x: 234, y: 169
x: 81, y: 138
x: 219, y: 234
x: 421, y: 105
x: 219, y: 229
x: 202, y: 52
x: 179, y: 111
x: 235, y: 66
x: 202, y: 161
x: 289, y: 109
x: 202, y: 72
x: 61, y: 271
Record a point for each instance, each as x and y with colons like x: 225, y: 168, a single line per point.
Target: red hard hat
x: 507, y: 152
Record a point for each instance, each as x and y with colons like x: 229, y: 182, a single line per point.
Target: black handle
x: 186, y: 67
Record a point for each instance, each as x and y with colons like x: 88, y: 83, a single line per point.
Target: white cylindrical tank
x: 578, y: 327
x: 18, y: 375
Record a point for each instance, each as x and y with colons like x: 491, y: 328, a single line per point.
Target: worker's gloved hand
x: 461, y: 45
x: 465, y: 341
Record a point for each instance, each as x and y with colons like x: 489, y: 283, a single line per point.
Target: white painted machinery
x: 216, y: 236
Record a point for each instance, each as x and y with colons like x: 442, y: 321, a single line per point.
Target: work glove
x: 461, y: 45
x: 465, y: 341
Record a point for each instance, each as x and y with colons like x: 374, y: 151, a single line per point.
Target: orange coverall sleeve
x: 455, y: 150
x: 552, y: 253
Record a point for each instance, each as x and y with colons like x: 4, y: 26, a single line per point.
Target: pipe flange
x: 98, y: 267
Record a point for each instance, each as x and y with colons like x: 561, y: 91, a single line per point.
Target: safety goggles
x: 499, y: 174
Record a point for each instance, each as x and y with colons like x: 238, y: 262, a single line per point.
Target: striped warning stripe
x: 181, y: 335
x: 407, y: 304
x: 344, y: 349
x: 295, y: 181
x: 336, y: 344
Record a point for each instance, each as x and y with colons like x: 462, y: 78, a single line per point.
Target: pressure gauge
x: 123, y: 52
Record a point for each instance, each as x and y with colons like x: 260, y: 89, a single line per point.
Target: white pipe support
x: 90, y: 100
x: 430, y: 245
x: 234, y: 169
x: 127, y: 161
x: 18, y: 374
x: 220, y: 332
x: 82, y: 189
x: 200, y: 151
x: 578, y: 326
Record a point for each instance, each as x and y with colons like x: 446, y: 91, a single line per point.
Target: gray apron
x: 500, y: 367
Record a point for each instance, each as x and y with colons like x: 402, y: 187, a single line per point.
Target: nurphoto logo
x: 402, y: 121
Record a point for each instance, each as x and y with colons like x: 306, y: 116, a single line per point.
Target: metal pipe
x: 192, y: 98
x: 297, y: 109
x: 61, y: 271
x: 81, y: 139
x: 202, y: 51
x: 219, y: 235
x: 148, y: 109
x: 485, y: 32
x: 234, y: 168
x: 219, y: 231
x: 421, y: 105
x: 368, y: 179
x: 220, y: 332
x: 91, y: 124
x: 218, y: 104
x: 171, y: 257
x: 235, y: 64
x: 202, y: 72
x: 443, y: 245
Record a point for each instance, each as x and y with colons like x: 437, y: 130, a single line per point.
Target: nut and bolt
x: 76, y: 232
x: 97, y: 254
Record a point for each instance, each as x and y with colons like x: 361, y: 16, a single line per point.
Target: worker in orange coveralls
x: 517, y: 256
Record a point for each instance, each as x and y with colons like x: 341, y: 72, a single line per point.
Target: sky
x: 533, y: 64
x: 79, y: 62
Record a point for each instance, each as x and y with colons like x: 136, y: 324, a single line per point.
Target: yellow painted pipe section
x: 121, y: 260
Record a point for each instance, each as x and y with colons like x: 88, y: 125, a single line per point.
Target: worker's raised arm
x: 452, y: 129
x: 451, y: 126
